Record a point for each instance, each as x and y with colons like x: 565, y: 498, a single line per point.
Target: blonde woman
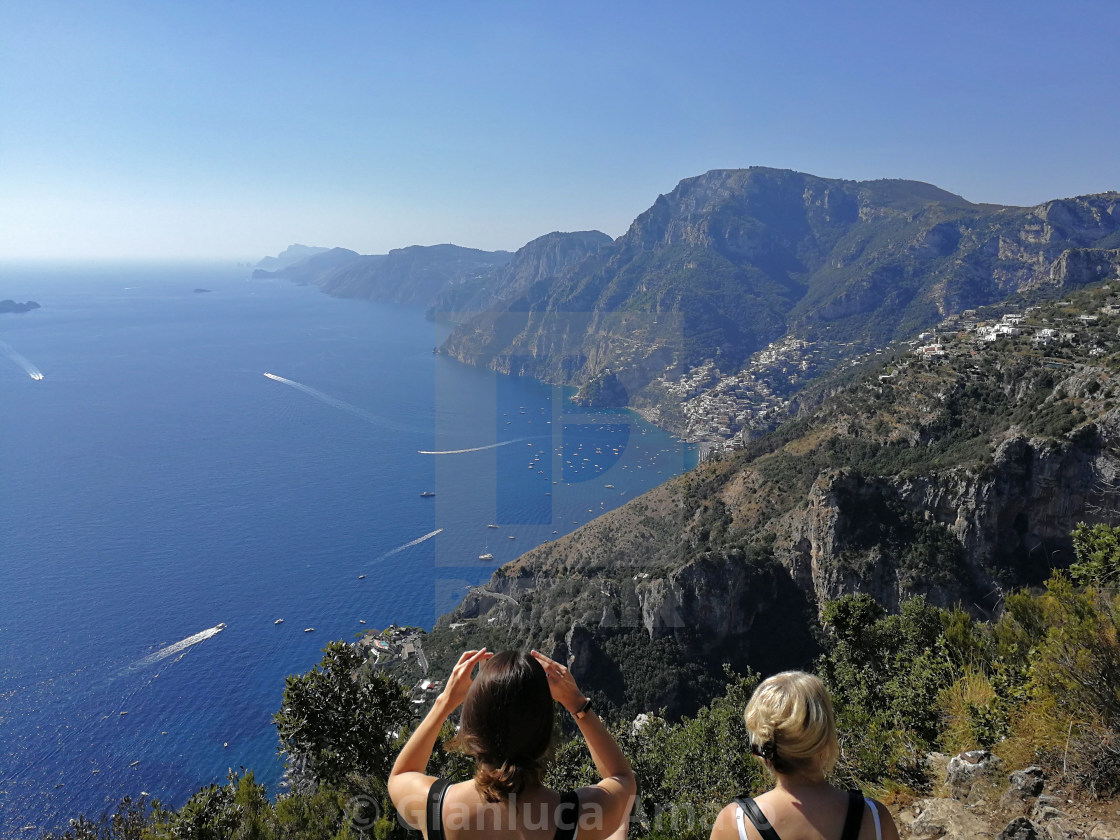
x: 506, y: 726
x: 792, y: 730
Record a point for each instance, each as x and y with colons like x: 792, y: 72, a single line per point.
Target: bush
x: 885, y: 673
x: 336, y: 720
x: 1098, y: 555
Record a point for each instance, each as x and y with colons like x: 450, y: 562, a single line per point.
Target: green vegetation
x: 1037, y: 685
x: 335, y: 720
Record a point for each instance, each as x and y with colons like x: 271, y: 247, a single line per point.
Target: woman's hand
x: 459, y: 683
x: 561, y: 683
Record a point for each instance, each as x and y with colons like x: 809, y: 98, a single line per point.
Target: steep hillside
x: 289, y: 256
x: 955, y: 470
x: 536, y: 262
x: 416, y: 274
x: 307, y: 270
x: 735, y: 263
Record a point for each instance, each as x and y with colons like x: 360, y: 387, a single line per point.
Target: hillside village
x: 722, y: 412
x: 393, y: 647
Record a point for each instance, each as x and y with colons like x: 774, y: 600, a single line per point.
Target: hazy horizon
x: 208, y: 132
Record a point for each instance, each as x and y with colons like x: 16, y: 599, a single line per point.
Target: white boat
x: 309, y: 630
x: 278, y: 621
x: 361, y: 577
x: 491, y: 526
x: 426, y: 494
x: 487, y: 556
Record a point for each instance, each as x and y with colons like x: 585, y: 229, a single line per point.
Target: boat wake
x: 472, y: 449
x: 180, y: 646
x: 410, y: 544
x: 333, y: 401
x: 20, y: 360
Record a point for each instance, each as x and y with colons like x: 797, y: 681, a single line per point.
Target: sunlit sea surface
x: 233, y: 457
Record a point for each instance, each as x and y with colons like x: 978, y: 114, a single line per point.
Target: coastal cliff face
x: 455, y: 283
x: 406, y: 275
x: 537, y: 262
x: 1000, y: 527
x: 735, y: 260
x: 411, y: 275
x: 959, y: 480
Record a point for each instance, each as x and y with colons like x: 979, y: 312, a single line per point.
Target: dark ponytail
x: 507, y: 725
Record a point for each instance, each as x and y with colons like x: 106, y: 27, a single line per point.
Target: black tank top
x: 567, y: 814
x: 852, y: 821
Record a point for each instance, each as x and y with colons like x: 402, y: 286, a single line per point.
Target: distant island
x: 12, y: 306
x: 201, y: 291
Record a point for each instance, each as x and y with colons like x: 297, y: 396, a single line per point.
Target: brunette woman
x: 506, y: 726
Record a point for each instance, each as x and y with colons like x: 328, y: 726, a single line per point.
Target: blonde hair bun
x: 791, y: 723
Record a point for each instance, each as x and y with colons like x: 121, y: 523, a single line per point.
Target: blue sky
x: 201, y: 129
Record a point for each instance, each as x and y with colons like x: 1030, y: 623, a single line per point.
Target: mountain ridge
x: 733, y: 262
x: 954, y: 470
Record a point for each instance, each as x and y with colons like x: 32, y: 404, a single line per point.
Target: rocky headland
x: 9, y: 305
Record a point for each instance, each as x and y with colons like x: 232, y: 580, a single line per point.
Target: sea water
x: 179, y: 469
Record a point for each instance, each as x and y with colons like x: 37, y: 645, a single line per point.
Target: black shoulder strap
x: 854, y: 820
x: 567, y: 816
x: 757, y: 818
x: 434, y: 819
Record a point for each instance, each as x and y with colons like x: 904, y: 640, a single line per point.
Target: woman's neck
x: 794, y: 782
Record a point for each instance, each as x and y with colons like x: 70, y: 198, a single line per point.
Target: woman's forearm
x: 416, y: 753
x: 605, y: 752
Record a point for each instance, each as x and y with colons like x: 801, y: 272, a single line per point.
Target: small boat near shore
x: 486, y: 556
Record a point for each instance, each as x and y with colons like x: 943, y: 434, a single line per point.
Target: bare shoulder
x: 890, y: 830
x: 725, y: 828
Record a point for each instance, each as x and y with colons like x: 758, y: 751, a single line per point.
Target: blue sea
x: 156, y: 484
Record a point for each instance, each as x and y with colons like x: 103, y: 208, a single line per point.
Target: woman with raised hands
x: 507, y: 727
x: 792, y: 730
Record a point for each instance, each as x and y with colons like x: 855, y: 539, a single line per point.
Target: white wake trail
x: 331, y: 401
x: 178, y: 647
x: 410, y: 544
x: 20, y: 360
x: 473, y: 449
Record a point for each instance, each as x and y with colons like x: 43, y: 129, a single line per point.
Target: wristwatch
x: 584, y: 709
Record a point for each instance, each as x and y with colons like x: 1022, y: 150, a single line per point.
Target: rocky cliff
x: 289, y: 256
x: 416, y: 274
x: 734, y: 261
x: 958, y: 478
x: 537, y: 262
